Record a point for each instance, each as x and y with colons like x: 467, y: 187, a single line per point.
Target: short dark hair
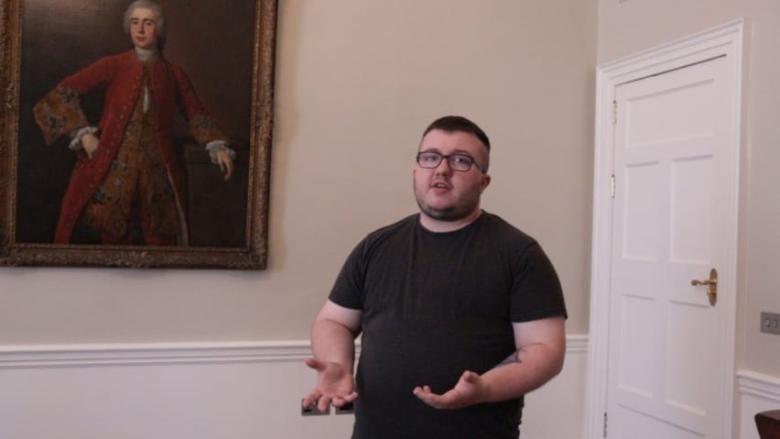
x: 451, y: 124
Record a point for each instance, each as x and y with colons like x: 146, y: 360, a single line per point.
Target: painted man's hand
x: 225, y: 163
x: 469, y: 390
x: 335, y: 385
x: 89, y: 142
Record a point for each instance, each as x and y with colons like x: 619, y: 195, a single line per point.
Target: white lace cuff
x: 216, y: 146
x: 76, y: 135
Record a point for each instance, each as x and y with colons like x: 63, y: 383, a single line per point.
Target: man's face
x: 143, y: 28
x: 445, y: 194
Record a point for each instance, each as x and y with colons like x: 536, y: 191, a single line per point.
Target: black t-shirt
x: 434, y: 305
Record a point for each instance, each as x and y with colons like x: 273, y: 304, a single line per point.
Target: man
x: 461, y: 314
x: 127, y: 187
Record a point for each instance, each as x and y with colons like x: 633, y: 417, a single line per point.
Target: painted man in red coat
x: 127, y: 187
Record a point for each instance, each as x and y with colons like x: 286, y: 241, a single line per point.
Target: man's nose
x: 444, y: 166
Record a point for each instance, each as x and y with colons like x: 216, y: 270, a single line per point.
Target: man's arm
x: 541, y: 345
x: 59, y: 112
x: 202, y: 126
x: 333, y: 344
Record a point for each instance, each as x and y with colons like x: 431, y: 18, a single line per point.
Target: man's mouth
x: 440, y: 185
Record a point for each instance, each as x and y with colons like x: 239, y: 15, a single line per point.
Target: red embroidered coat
x: 59, y: 113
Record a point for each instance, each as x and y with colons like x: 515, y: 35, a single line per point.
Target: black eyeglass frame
x: 449, y: 157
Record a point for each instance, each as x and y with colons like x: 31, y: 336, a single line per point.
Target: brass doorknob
x: 712, y: 286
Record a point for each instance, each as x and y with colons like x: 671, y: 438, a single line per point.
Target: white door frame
x: 725, y: 40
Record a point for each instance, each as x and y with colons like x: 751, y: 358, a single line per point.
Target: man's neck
x: 146, y: 54
x: 440, y: 226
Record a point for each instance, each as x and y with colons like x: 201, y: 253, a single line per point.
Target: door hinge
x: 612, y: 185
x: 614, y: 112
x: 605, y: 425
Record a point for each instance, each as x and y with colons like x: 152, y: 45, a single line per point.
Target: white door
x: 669, y: 353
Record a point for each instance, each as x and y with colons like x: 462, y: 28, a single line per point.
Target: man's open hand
x: 335, y: 385
x: 469, y: 390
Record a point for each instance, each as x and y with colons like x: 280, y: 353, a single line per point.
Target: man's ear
x: 485, y: 181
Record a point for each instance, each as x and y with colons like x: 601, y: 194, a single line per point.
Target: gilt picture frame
x: 225, y: 47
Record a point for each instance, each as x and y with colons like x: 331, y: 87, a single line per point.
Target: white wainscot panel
x: 556, y: 411
x: 757, y: 393
x: 196, y: 392
x: 206, y: 391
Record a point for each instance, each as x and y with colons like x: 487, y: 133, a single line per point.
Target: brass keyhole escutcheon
x: 712, y: 286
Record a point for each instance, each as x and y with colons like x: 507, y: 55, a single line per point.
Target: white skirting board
x: 757, y: 393
x: 208, y: 391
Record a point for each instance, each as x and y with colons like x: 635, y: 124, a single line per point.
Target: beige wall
x: 633, y: 25
x: 357, y: 81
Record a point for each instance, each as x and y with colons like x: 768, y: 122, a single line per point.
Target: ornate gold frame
x: 253, y: 255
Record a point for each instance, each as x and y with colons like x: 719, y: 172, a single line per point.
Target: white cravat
x: 146, y: 55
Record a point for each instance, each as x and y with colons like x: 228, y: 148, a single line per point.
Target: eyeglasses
x: 458, y: 162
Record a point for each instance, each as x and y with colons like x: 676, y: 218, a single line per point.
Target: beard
x: 453, y: 212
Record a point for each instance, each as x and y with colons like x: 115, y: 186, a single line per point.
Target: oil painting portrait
x: 138, y: 133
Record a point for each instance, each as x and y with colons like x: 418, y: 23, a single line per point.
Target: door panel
x: 666, y: 361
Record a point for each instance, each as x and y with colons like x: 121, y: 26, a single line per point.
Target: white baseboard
x: 757, y: 393
x: 205, y: 390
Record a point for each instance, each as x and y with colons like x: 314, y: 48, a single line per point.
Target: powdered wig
x: 159, y: 20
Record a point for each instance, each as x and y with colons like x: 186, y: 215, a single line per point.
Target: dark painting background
x: 213, y: 40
